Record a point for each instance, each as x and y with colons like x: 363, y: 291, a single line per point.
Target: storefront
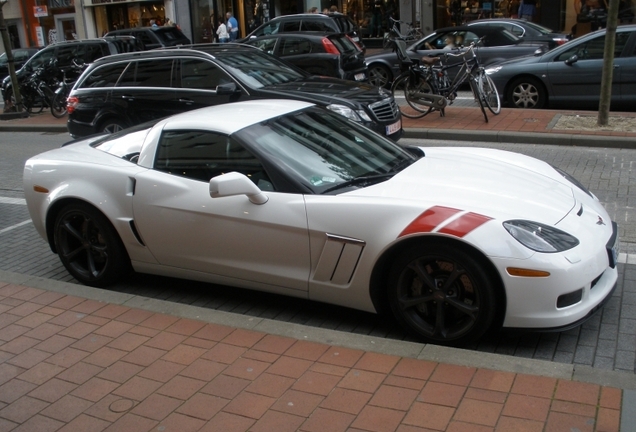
x: 44, y: 23
x: 113, y: 15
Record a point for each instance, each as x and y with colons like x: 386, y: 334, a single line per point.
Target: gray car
x: 570, y: 75
x: 497, y: 44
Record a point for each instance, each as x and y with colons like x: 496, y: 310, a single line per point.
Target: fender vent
x: 338, y: 260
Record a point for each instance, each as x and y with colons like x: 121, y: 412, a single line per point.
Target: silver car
x: 570, y: 75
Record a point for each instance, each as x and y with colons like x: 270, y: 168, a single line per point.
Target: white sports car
x: 286, y: 197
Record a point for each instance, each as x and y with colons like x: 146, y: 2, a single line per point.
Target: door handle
x: 129, y: 97
x: 187, y: 101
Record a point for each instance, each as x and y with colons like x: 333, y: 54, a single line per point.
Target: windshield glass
x: 539, y: 28
x: 257, y: 70
x: 323, y: 150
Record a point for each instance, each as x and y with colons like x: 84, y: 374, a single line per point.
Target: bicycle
x: 428, y: 88
x: 412, y: 33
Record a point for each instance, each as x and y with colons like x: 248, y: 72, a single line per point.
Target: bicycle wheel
x: 58, y: 105
x: 413, y: 93
x: 489, y: 91
x: 399, y: 92
x: 474, y: 85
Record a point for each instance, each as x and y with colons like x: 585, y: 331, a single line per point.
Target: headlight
x: 356, y: 115
x: 539, y: 237
x: 492, y: 70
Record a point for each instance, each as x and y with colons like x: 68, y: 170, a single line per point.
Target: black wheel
x: 89, y: 246
x: 112, y: 126
x: 526, y: 92
x: 490, y: 94
x: 442, y: 294
x: 58, y: 105
x: 413, y: 92
x: 380, y: 76
x: 399, y: 89
x: 479, y: 96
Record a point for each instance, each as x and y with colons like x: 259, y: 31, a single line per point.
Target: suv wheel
x: 112, y: 126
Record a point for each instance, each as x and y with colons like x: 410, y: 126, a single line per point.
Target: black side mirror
x: 226, y: 89
x: 572, y: 60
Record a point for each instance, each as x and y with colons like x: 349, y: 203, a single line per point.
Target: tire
x: 89, y: 247
x: 479, y: 95
x: 442, y: 294
x: 58, y: 105
x: 112, y: 126
x: 380, y: 76
x: 526, y: 92
x: 399, y: 90
x: 414, y: 88
x: 491, y: 96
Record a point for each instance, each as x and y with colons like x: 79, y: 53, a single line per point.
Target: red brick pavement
x: 70, y: 364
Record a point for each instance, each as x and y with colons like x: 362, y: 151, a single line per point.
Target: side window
x: 144, y: 38
x: 593, y: 49
x: 201, y: 155
x: 201, y: 74
x: 20, y: 55
x: 105, y: 76
x: 309, y: 25
x: 290, y: 26
x: 147, y: 73
x: 266, y: 45
x: 271, y: 28
x: 292, y: 46
x: 39, y: 59
x: 65, y: 55
x: 91, y: 52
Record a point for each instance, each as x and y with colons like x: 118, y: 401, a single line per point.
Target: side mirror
x: 226, y: 89
x: 572, y: 60
x: 234, y: 183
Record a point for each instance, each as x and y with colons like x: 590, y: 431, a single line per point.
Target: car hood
x: 329, y: 90
x: 494, y: 183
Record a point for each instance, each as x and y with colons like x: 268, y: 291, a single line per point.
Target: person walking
x: 221, y: 32
x: 527, y: 9
x: 232, y: 26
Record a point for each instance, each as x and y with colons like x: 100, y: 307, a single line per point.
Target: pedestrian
x: 527, y: 9
x: 232, y: 26
x: 153, y: 23
x: 221, y: 32
x: 313, y: 10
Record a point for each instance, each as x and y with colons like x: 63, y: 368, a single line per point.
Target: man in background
x: 232, y: 26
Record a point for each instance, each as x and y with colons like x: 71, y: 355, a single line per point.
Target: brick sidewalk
x: 74, y: 364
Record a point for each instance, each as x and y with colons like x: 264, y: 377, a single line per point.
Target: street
x: 607, y: 341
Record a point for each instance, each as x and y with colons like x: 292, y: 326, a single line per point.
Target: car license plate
x: 393, y: 128
x: 360, y: 76
x: 612, y: 246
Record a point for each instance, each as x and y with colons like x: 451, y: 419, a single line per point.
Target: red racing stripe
x: 428, y: 220
x: 464, y: 224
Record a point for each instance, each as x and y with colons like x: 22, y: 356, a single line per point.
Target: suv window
x: 105, y: 76
x: 90, y: 52
x: 40, y: 59
x: 295, y: 46
x: 202, y: 75
x: 290, y: 26
x: 201, y: 155
x: 266, y: 45
x: 144, y: 37
x: 149, y: 73
x: 322, y: 26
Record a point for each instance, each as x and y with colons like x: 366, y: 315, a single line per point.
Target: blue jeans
x: 233, y: 35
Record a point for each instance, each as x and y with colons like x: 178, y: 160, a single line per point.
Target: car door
x: 145, y: 90
x: 579, y: 81
x: 202, y: 83
x: 184, y: 228
x: 628, y: 72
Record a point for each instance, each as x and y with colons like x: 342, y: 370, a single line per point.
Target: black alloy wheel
x: 380, y: 76
x: 441, y: 294
x: 89, y: 247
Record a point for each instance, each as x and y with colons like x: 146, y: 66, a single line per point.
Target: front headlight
x: 356, y: 115
x: 540, y: 237
x: 492, y: 70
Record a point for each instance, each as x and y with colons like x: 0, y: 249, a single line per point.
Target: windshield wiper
x: 360, y: 180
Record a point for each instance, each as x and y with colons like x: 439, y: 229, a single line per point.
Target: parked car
x: 20, y: 56
x: 570, y: 75
x: 126, y: 90
x: 330, y: 22
x: 83, y: 51
x: 154, y: 37
x: 317, y: 53
x: 287, y: 197
x: 526, y: 30
x: 498, y: 44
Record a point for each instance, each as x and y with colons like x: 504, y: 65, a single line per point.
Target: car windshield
x: 326, y: 152
x: 539, y: 28
x: 256, y: 69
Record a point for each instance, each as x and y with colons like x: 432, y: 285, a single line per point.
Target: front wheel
x: 479, y: 96
x: 380, y: 76
x: 526, y: 92
x: 400, y: 89
x: 442, y: 294
x: 489, y: 93
x: 58, y: 105
x: 89, y: 247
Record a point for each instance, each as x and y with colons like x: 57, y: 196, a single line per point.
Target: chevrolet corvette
x: 289, y: 198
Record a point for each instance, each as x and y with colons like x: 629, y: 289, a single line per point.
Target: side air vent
x: 338, y: 259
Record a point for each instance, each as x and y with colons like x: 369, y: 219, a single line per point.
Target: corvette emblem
x: 600, y: 221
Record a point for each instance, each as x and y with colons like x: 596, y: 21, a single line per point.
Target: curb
x: 576, y: 140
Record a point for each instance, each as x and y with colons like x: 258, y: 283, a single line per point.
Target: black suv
x: 334, y: 55
x: 154, y: 37
x: 85, y: 51
x: 124, y: 90
x: 331, y: 23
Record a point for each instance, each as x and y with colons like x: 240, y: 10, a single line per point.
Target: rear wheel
x: 489, y: 91
x: 399, y: 90
x: 442, y: 294
x: 479, y: 96
x: 112, y: 126
x: 58, y: 105
x: 88, y: 246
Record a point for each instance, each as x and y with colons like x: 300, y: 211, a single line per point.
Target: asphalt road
x: 608, y: 341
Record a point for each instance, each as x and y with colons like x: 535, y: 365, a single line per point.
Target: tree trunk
x: 608, y: 64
